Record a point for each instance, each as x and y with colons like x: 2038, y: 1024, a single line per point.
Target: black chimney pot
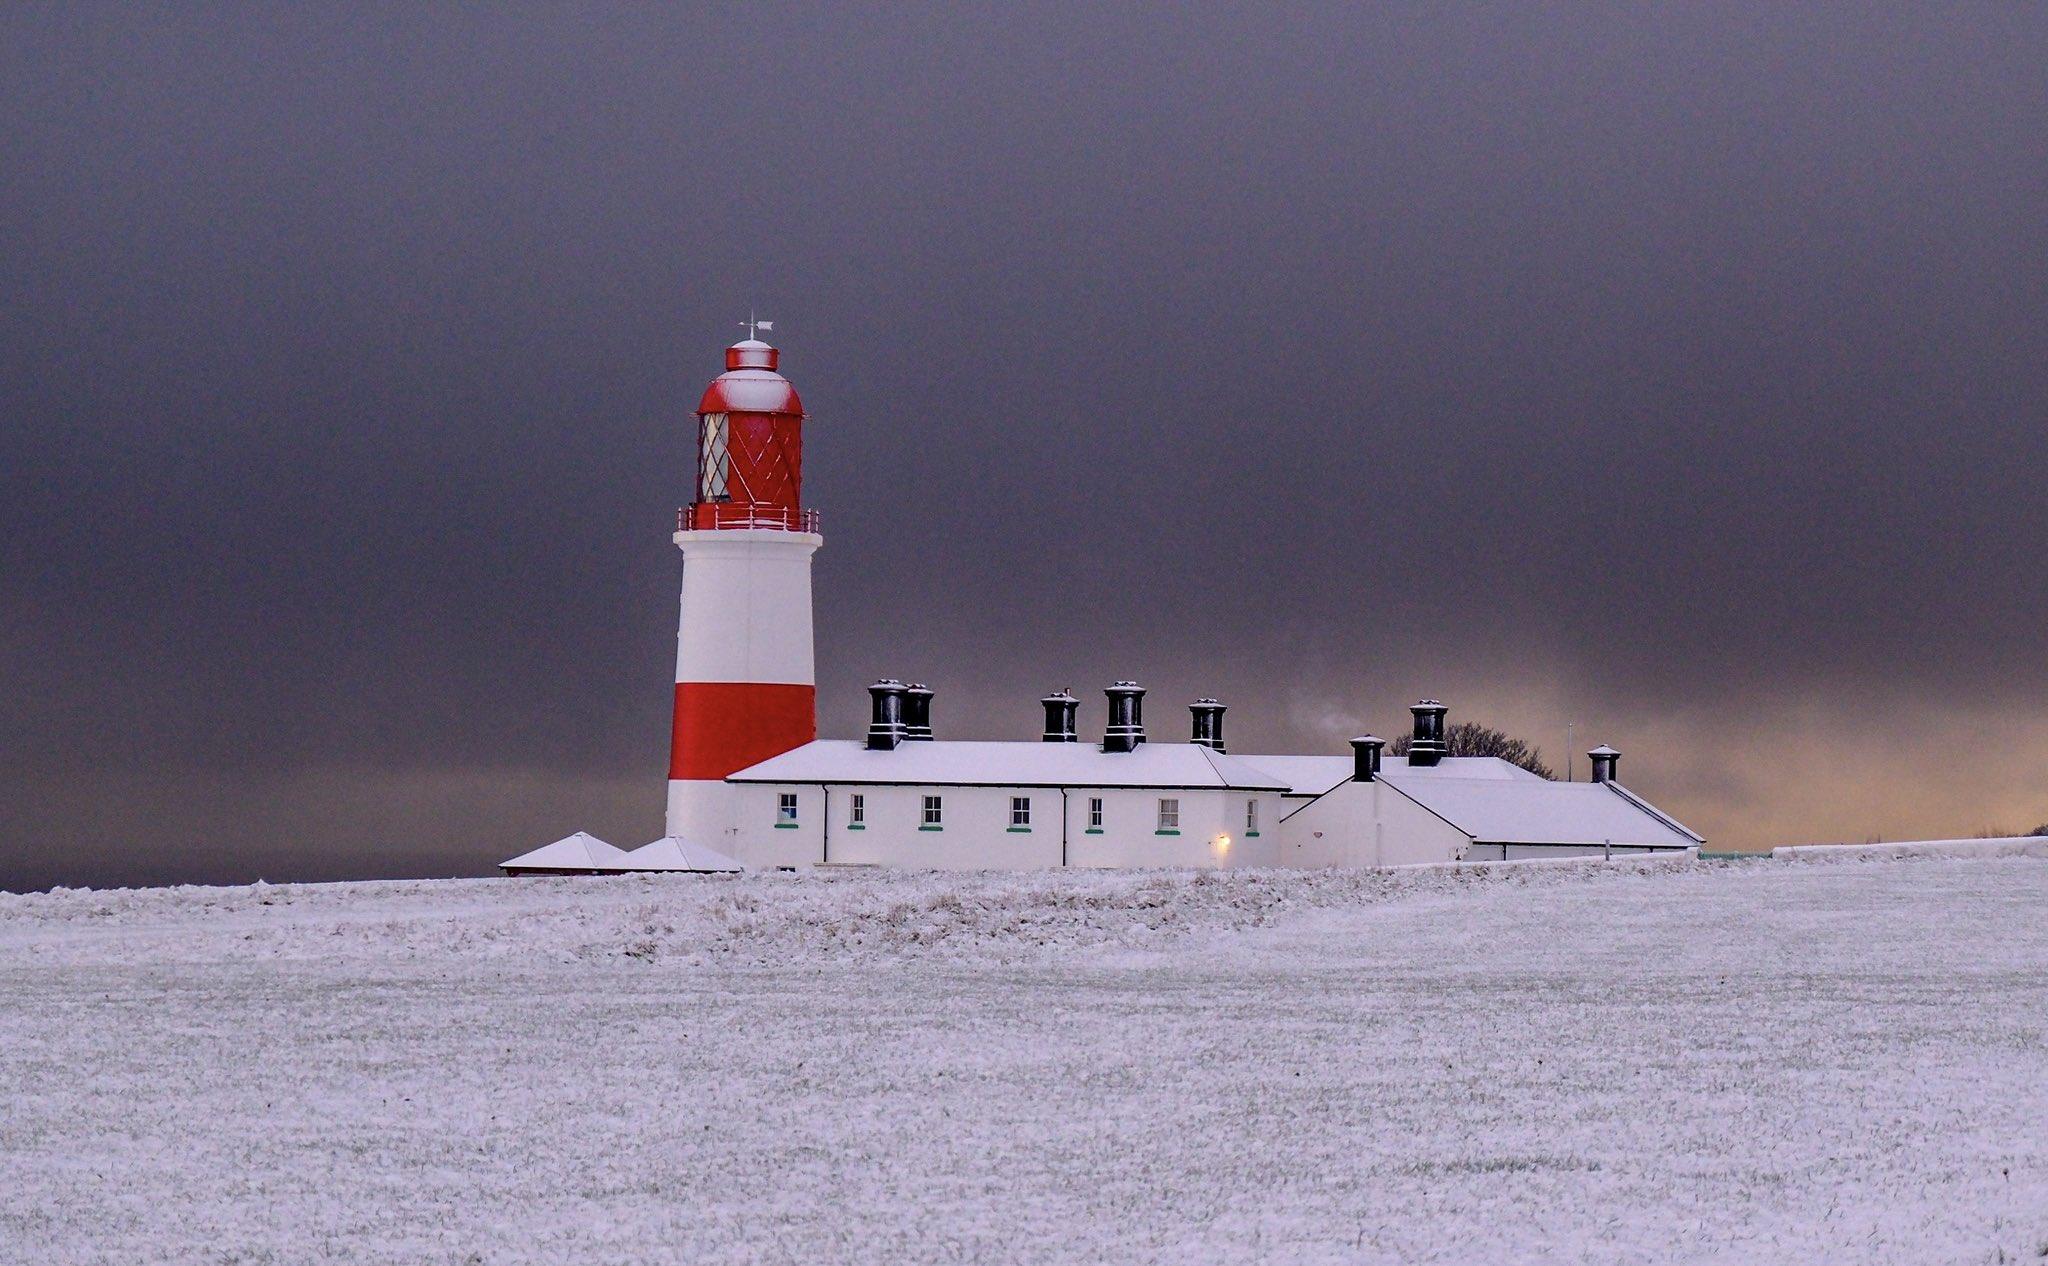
x: 1126, y: 717
x: 917, y: 713
x: 1208, y: 723
x: 1427, y: 747
x: 885, y: 730
x: 1604, y: 760
x: 1365, y: 757
x: 1061, y: 709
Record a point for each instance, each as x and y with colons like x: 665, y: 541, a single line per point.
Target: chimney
x: 1208, y: 723
x: 1060, y: 711
x: 885, y: 730
x: 917, y: 713
x: 1427, y: 747
x: 1126, y: 717
x: 1365, y: 757
x: 1604, y: 760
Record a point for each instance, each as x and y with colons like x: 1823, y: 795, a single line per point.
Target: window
x: 785, y: 809
x: 1095, y: 813
x: 1251, y: 817
x: 713, y: 467
x: 1169, y: 815
x: 857, y: 810
x: 934, y: 814
x: 1020, y: 813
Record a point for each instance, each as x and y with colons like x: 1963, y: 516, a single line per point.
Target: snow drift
x: 2020, y: 846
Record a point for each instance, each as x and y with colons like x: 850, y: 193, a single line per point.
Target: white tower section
x: 745, y: 681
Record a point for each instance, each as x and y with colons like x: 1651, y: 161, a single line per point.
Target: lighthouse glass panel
x: 785, y: 809
x: 711, y: 460
x: 1020, y: 810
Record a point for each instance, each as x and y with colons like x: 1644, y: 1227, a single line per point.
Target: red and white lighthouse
x: 745, y: 684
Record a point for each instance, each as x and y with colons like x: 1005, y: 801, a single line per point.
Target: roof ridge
x: 1210, y: 754
x: 1653, y: 810
x: 1009, y: 763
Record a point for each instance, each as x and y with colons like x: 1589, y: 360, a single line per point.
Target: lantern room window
x: 711, y: 459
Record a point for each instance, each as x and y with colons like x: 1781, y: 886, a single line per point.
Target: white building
x: 970, y: 805
x: 751, y: 784
x: 898, y: 801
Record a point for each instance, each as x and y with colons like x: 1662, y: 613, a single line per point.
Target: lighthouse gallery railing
x: 741, y: 515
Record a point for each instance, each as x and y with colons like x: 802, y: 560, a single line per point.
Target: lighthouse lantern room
x: 749, y: 448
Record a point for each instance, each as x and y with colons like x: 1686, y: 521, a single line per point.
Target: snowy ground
x: 1744, y: 1062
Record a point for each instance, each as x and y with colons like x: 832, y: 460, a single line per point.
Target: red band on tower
x: 724, y: 726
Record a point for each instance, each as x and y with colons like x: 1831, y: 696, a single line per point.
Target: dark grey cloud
x: 1676, y: 373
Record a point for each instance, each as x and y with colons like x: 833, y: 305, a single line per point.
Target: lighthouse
x: 752, y: 786
x: 746, y: 687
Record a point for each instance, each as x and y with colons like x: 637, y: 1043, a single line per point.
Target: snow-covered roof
x: 581, y: 851
x: 1538, y: 811
x: 671, y: 854
x: 955, y: 763
x: 1314, y: 775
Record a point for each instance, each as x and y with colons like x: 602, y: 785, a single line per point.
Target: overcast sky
x: 1673, y: 374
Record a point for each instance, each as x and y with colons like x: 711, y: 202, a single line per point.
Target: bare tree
x: 1469, y: 738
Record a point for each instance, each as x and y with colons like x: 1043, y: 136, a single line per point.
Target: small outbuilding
x: 671, y: 855
x: 578, y: 854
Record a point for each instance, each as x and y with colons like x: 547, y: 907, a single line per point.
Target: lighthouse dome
x: 750, y: 383
x: 751, y: 353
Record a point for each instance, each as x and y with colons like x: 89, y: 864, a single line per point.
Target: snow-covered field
x: 1743, y: 1062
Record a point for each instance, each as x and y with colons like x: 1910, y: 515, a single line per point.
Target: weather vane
x: 754, y: 327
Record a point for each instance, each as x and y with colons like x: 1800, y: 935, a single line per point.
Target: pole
x: 1063, y: 828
